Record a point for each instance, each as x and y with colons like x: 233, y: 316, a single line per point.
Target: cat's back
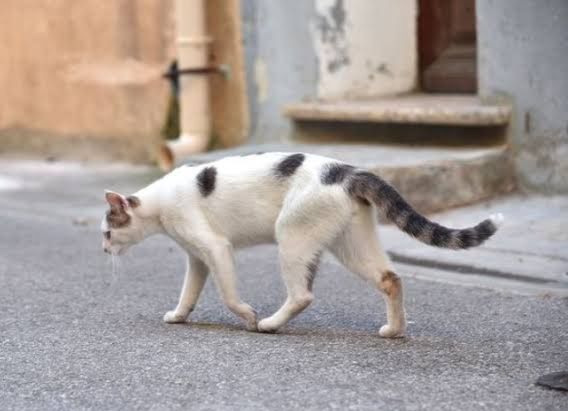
x: 274, y: 166
x: 242, y: 196
x: 261, y: 172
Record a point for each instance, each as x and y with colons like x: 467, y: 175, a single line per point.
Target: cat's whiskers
x: 116, y: 268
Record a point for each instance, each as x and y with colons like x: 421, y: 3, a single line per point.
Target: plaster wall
x: 323, y: 49
x: 280, y: 62
x: 523, y: 56
x: 364, y: 49
x: 86, y: 68
x: 83, y: 79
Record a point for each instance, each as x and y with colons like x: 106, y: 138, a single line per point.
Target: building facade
x: 89, y: 74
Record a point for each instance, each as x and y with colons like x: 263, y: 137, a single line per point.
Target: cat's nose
x: 106, y: 250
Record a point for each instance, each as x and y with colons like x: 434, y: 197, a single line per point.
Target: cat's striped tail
x: 368, y: 187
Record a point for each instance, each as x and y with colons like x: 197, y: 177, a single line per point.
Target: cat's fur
x: 305, y: 203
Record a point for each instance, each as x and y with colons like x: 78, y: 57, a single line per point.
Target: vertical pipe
x: 195, y: 114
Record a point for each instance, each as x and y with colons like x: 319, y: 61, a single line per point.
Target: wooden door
x: 447, y: 46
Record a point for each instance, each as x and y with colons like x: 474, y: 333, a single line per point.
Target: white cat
x: 305, y: 203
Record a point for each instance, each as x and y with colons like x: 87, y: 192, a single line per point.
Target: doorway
x: 447, y: 48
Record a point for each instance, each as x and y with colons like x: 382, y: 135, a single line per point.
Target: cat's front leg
x: 223, y: 267
x: 195, y: 277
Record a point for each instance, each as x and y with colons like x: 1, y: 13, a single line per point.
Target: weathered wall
x: 364, y: 48
x: 228, y: 94
x: 523, y: 54
x: 324, y: 49
x: 281, y: 63
x: 83, y: 79
x: 71, y: 70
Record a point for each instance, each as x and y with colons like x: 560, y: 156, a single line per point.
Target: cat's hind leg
x: 358, y: 248
x: 298, y: 271
x: 308, y: 223
x: 195, y: 277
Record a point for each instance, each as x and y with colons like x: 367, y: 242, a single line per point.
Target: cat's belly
x: 248, y: 225
x: 242, y: 241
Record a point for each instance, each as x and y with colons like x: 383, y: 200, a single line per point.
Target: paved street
x: 76, y: 335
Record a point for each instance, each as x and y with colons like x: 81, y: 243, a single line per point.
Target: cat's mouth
x: 115, y: 250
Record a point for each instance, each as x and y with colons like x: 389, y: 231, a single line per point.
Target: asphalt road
x: 75, y: 336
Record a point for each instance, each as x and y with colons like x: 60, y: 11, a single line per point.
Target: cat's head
x: 121, y: 226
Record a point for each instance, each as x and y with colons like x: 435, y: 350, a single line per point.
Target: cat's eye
x: 107, y: 235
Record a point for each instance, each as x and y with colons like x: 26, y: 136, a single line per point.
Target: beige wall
x: 85, y: 68
x: 229, y: 100
x: 77, y: 72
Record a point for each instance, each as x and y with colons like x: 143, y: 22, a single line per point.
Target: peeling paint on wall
x: 357, y: 53
x: 329, y: 24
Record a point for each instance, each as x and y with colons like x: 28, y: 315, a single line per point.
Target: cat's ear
x: 116, y: 200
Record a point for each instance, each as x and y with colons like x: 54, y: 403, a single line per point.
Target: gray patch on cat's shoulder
x: 335, y: 173
x: 206, y: 180
x: 289, y: 165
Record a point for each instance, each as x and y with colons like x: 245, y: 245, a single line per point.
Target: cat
x: 305, y: 203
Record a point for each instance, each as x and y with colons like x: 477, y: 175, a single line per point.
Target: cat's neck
x: 150, y: 208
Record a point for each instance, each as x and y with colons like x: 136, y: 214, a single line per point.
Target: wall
x: 228, y: 94
x: 364, y: 48
x: 73, y: 70
x: 324, y: 49
x: 523, y: 54
x: 281, y: 63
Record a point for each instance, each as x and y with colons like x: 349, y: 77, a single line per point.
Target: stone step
x: 435, y: 109
x: 431, y: 179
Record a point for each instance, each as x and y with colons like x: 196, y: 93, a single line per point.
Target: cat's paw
x: 172, y: 317
x: 251, y: 320
x: 267, y: 326
x: 388, y: 331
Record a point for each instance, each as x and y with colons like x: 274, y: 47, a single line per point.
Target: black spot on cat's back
x: 289, y: 165
x: 206, y: 180
x: 335, y: 173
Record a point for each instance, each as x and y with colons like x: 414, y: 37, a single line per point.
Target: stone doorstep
x: 441, y: 109
x: 431, y: 179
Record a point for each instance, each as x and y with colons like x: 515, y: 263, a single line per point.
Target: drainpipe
x: 195, y: 115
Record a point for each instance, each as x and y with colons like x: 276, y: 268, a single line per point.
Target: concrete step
x: 431, y: 179
x: 438, y: 109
